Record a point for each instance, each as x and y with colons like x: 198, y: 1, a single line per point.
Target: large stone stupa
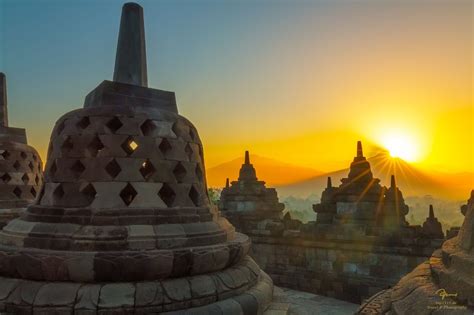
x: 123, y: 223
x: 21, y: 169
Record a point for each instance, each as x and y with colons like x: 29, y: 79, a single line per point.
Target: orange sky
x: 386, y: 70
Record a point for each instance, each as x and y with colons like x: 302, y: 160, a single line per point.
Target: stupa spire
x: 247, y: 157
x: 329, y: 184
x: 3, y: 101
x: 227, y: 183
x: 130, y: 61
x: 431, y: 215
x: 359, y: 149
x: 392, y: 181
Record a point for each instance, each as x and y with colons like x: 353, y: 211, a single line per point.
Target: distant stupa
x: 249, y: 197
x: 361, y: 200
x: 21, y: 169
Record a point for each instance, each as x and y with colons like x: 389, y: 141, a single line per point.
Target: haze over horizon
x: 298, y: 82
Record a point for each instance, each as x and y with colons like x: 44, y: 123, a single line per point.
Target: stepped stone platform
x: 291, y: 302
x: 123, y: 223
x: 21, y: 169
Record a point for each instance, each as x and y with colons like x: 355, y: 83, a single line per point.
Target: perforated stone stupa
x: 361, y: 201
x: 248, y: 198
x: 442, y: 285
x: 21, y: 169
x: 123, y: 223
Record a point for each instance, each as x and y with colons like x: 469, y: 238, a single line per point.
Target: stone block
x: 117, y: 295
x: 87, y: 299
x: 57, y: 294
x: 149, y: 295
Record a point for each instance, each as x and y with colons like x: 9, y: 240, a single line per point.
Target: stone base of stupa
x: 240, y: 289
x: 434, y: 287
x: 6, y: 215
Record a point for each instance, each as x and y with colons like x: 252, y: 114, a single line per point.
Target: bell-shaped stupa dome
x: 125, y: 206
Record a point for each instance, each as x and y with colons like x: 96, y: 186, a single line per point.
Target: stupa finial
x: 227, y: 183
x: 3, y: 100
x: 431, y: 215
x: 130, y: 61
x: 392, y: 181
x: 329, y: 184
x: 247, y: 157
x: 359, y: 149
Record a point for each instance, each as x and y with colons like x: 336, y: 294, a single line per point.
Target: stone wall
x: 346, y: 270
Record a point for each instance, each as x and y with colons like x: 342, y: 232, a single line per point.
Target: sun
x: 401, y: 146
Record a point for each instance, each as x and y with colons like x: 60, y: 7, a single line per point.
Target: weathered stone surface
x: 117, y: 295
x: 52, y: 294
x: 442, y: 285
x: 87, y: 299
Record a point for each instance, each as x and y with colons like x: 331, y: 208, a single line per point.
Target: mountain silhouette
x: 273, y: 172
x: 411, y: 180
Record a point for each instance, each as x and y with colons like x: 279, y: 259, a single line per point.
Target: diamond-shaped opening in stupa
x: 67, y: 145
x: 194, y: 196
x: 113, y: 168
x: 95, y: 146
x: 6, y: 178
x: 89, y: 193
x: 128, y: 194
x: 17, y: 165
x: 189, y: 151
x: 78, y: 168
x: 25, y: 178
x: 147, y: 169
x: 167, y: 194
x: 129, y: 146
x: 148, y: 127
x: 114, y: 124
x: 83, y: 123
x: 165, y: 146
x: 5, y: 154
x: 179, y: 172
x: 17, y: 192
x: 58, y: 193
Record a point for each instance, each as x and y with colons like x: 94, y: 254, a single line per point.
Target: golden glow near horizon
x: 401, y: 145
